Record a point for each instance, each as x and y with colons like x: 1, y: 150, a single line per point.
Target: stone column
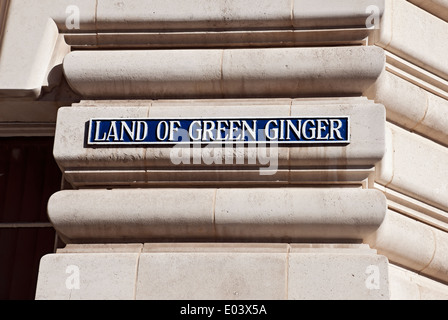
x: 276, y: 221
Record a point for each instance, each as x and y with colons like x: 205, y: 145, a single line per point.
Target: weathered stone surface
x: 414, y: 166
x: 412, y: 107
x: 272, y: 72
x: 210, y: 276
x: 413, y: 244
x: 401, y: 35
x: 25, y: 64
x: 337, y: 275
x: 260, y: 214
x: 78, y: 276
x: 408, y: 285
x: 324, y: 13
x: 141, y: 165
x: 209, y: 271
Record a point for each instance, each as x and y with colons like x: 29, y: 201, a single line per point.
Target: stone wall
x: 367, y: 219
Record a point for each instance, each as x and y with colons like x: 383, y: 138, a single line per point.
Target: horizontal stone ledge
x: 26, y: 129
x: 135, y: 164
x: 263, y: 176
x: 221, y: 73
x: 408, y: 285
x: 258, y: 214
x: 415, y: 209
x: 227, y: 271
x: 218, y: 39
x: 412, y: 244
x: 132, y: 15
x: 25, y: 64
x: 439, y: 8
x: 412, y: 41
x: 414, y: 166
x: 412, y: 107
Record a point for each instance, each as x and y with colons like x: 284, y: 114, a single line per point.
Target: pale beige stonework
x: 310, y: 279
x: 87, y: 166
x: 438, y: 8
x: 384, y: 195
x: 223, y: 73
x: 401, y: 35
x: 407, y: 285
x: 412, y: 107
x: 419, y: 247
x: 38, y: 26
x: 235, y: 271
x: 407, y: 151
x: 212, y: 276
x: 87, y: 216
x: 77, y: 276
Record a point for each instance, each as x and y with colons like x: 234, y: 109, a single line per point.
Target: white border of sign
x: 112, y: 144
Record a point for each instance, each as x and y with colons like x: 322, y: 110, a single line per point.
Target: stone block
x: 129, y: 215
x: 415, y: 166
x: 438, y: 8
x: 325, y: 13
x: 403, y: 241
x: 228, y: 73
x: 411, y: 107
x: 211, y: 276
x: 435, y: 123
x: 292, y: 214
x: 412, y: 41
x: 367, y: 136
x: 79, y: 276
x: 411, y: 243
x: 214, y: 271
x: 70, y: 139
x: 408, y: 285
x: 337, y: 276
x: 192, y: 14
x: 261, y: 214
x: 142, y: 73
x: 139, y: 165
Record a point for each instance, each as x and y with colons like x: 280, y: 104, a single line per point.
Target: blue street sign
x: 285, y: 130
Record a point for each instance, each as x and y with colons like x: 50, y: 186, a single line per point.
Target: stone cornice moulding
x: 14, y: 129
x: 254, y: 214
x: 224, y: 73
x: 416, y: 75
x: 218, y: 39
x: 408, y: 285
x: 439, y: 8
x: 414, y: 166
x: 414, y: 35
x: 411, y: 107
x: 414, y: 245
x: 24, y: 64
x: 414, y: 208
x: 158, y: 15
x: 4, y: 5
